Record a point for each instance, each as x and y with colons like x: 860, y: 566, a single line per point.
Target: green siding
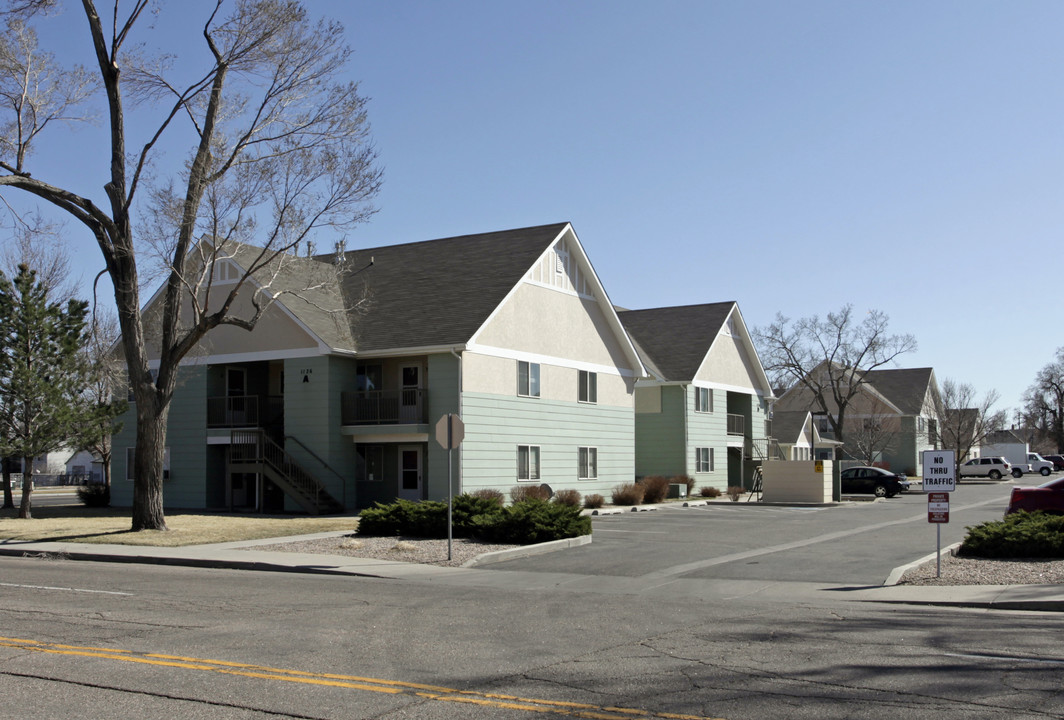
x: 708, y: 430
x: 312, y: 415
x: 496, y: 425
x: 186, y: 436
x: 660, y: 437
x: 443, y: 397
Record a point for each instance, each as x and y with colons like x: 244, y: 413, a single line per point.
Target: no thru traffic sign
x: 940, y: 472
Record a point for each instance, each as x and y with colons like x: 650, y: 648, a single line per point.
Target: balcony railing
x: 736, y: 424
x: 383, y: 407
x: 233, y: 412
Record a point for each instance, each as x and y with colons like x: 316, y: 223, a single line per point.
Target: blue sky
x: 791, y: 156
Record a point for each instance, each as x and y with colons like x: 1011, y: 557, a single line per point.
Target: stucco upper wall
x: 729, y: 363
x: 555, y: 323
x: 486, y: 374
x: 275, y: 331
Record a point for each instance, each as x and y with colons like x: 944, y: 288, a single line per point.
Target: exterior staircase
x: 254, y: 452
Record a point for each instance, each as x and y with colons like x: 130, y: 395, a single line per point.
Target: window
x: 527, y: 462
x: 588, y: 387
x: 527, y: 379
x: 588, y: 463
x: 704, y: 460
x: 703, y: 400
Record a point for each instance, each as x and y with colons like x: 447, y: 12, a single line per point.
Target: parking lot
x: 855, y: 543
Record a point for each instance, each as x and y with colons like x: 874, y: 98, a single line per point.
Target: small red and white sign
x: 938, y: 507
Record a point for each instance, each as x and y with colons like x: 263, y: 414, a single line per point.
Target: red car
x: 1048, y: 497
x: 1057, y: 460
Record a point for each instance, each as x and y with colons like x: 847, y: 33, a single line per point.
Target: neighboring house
x: 892, y: 418
x: 798, y: 437
x: 704, y: 410
x: 331, y: 403
x: 1007, y: 444
x: 84, y: 466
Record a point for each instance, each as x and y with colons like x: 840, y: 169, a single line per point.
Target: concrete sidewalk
x: 244, y: 556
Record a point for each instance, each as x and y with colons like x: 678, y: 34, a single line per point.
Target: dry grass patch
x: 106, y: 525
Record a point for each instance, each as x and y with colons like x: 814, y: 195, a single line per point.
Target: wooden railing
x: 233, y: 411
x: 383, y: 407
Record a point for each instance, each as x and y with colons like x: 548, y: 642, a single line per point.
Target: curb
x: 527, y: 551
x: 897, y: 573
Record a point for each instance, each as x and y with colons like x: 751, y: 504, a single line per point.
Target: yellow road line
x: 353, y: 682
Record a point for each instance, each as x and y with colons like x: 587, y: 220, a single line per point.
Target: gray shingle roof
x: 673, y: 341
x: 436, y: 292
x: 787, y: 424
x: 906, y: 388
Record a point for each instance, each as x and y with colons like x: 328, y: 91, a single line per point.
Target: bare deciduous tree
x: 966, y: 419
x: 1044, y: 401
x: 872, y: 434
x: 280, y: 151
x: 827, y: 358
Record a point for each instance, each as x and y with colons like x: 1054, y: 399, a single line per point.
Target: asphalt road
x: 88, y: 640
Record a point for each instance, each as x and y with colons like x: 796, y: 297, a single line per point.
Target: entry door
x: 410, y: 395
x: 410, y: 481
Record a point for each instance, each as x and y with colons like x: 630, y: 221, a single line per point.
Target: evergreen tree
x: 42, y: 373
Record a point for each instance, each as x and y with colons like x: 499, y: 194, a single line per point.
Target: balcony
x: 736, y: 425
x: 233, y: 412
x: 383, y: 407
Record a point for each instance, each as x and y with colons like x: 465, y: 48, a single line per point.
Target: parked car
x: 1048, y: 497
x: 1039, y: 464
x: 1057, y: 460
x: 994, y: 468
x: 877, y: 481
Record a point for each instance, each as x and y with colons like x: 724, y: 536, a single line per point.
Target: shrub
x: 686, y: 480
x: 735, y: 492
x: 594, y: 501
x: 710, y: 491
x: 427, y: 518
x: 520, y: 493
x: 466, y: 508
x: 567, y: 497
x: 628, y: 494
x: 1019, y: 535
x: 96, y: 495
x: 655, y: 488
x: 490, y: 494
x: 535, y: 521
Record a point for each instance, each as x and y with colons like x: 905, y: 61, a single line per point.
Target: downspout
x: 458, y: 357
x: 686, y: 434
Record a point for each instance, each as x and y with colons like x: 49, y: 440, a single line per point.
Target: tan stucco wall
x: 275, y: 331
x: 729, y: 363
x: 553, y: 323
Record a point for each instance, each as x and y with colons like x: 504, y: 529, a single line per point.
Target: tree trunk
x: 25, y: 511
x: 148, y: 468
x: 9, y: 498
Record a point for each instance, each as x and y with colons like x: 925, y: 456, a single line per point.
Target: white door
x: 410, y: 482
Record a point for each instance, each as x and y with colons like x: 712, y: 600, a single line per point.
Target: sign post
x: 940, y: 479
x: 449, y: 433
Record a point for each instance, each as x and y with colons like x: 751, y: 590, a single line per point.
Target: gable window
x: 588, y: 463
x: 528, y: 462
x: 588, y: 387
x: 527, y: 379
x: 703, y: 400
x: 704, y: 460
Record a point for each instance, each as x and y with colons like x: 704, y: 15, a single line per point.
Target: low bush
x: 567, y: 497
x: 735, y: 492
x: 96, y: 495
x: 655, y: 488
x: 1019, y: 535
x: 710, y: 491
x: 524, y: 522
x: 520, y: 493
x: 535, y: 521
x: 427, y: 518
x: 490, y: 494
x: 628, y: 494
x: 594, y: 501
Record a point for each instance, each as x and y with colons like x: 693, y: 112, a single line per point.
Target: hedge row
x: 522, y: 523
